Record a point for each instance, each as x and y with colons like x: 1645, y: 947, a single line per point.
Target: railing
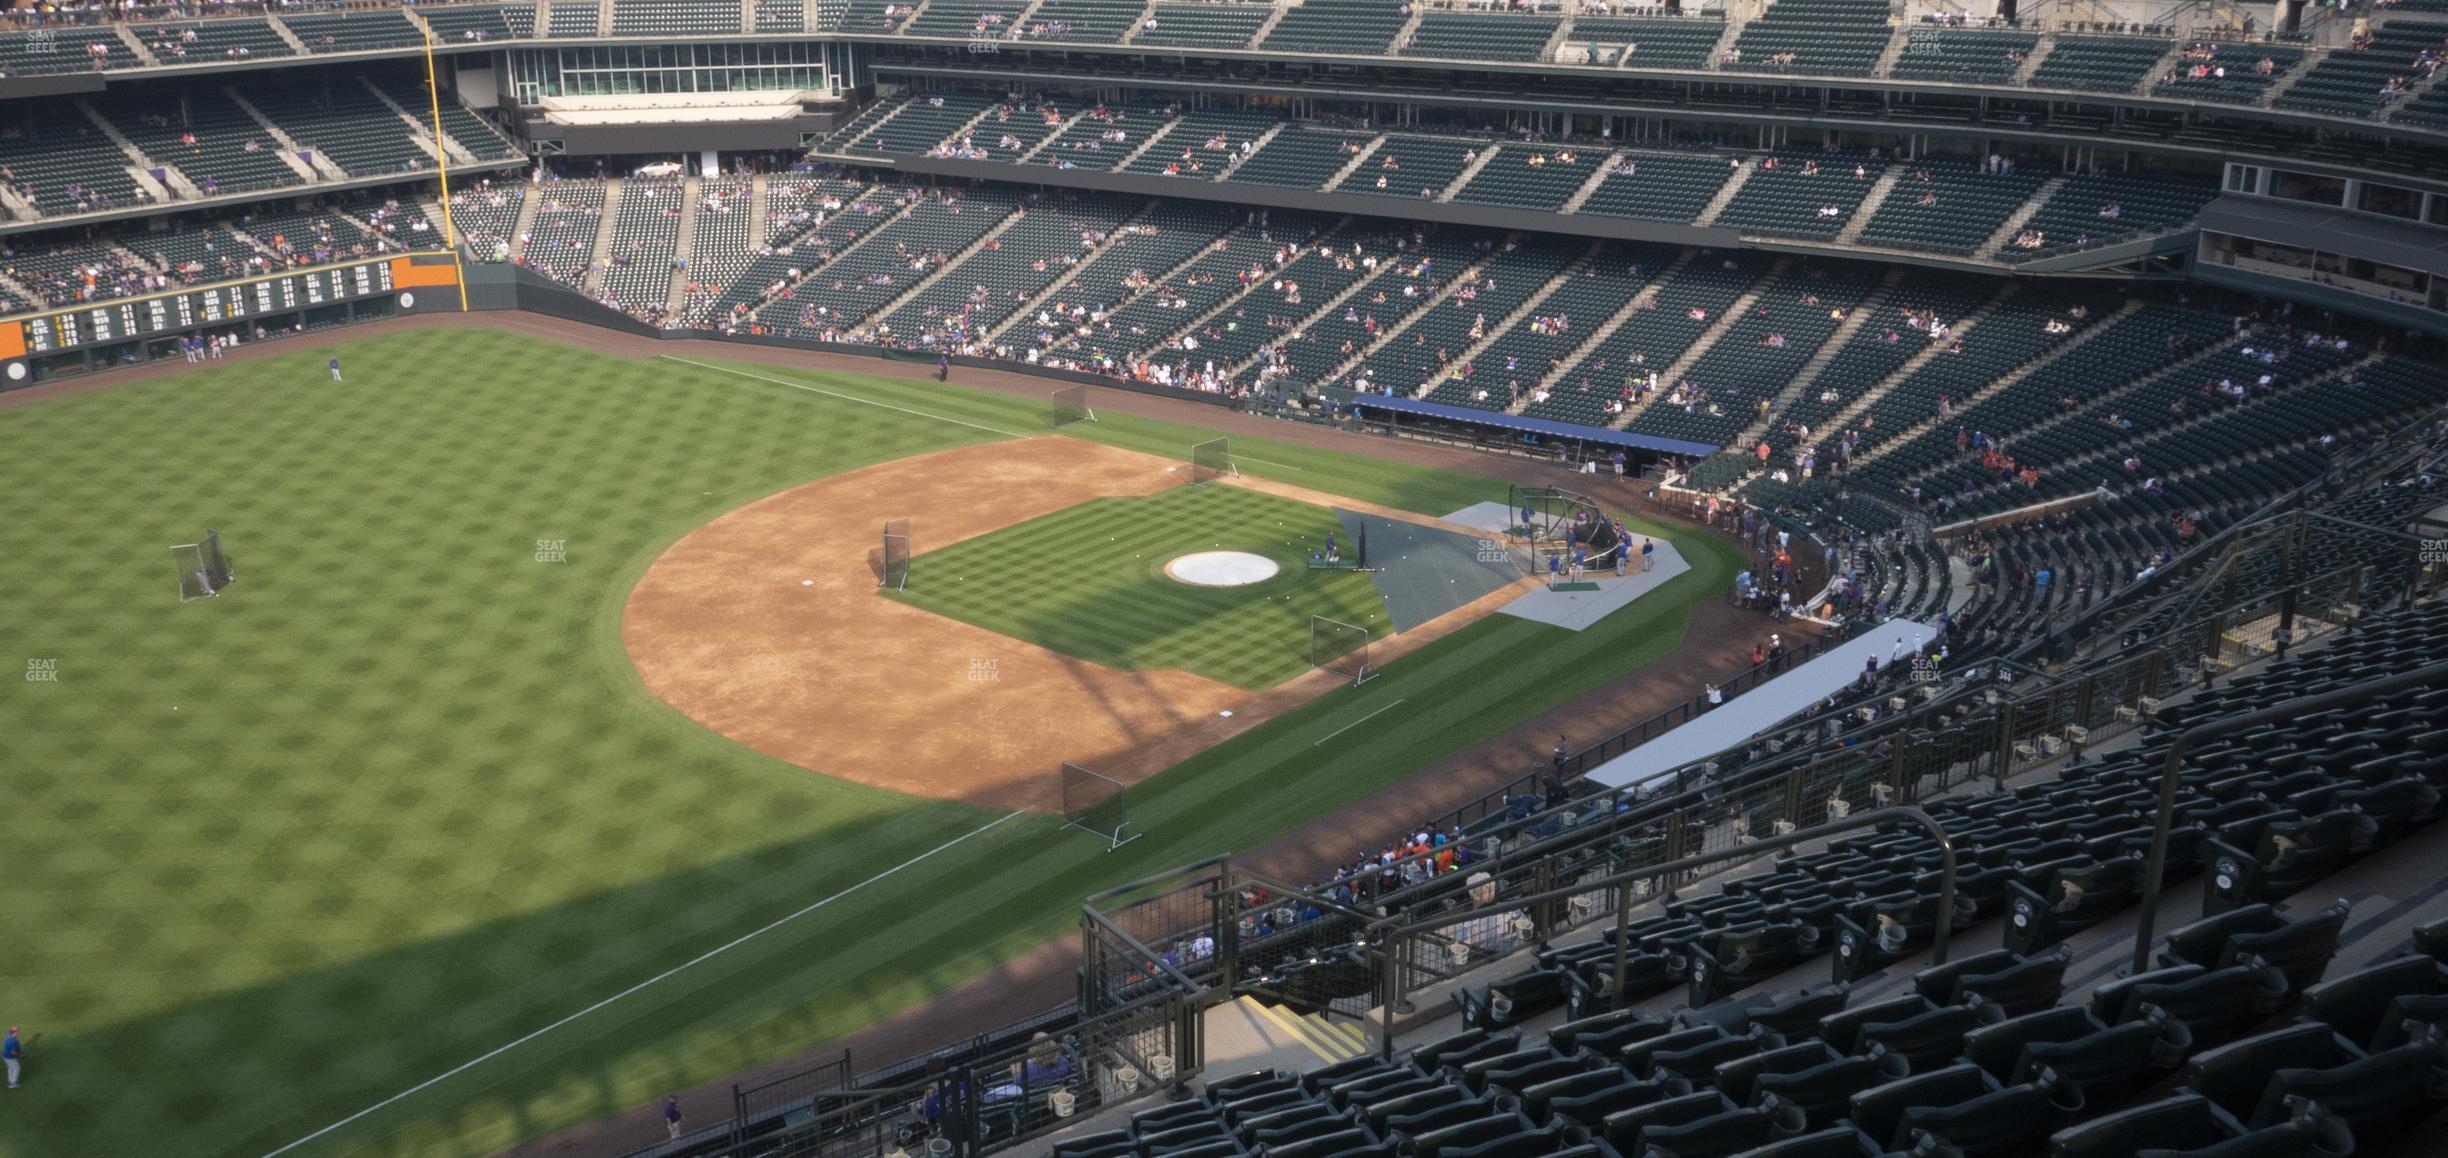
x: 1408, y: 950
x: 2154, y: 874
x: 1022, y: 1091
x: 1583, y: 762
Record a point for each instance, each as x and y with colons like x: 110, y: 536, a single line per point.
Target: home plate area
x: 1574, y: 606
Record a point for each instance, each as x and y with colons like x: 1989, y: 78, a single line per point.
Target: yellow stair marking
x: 1289, y: 1025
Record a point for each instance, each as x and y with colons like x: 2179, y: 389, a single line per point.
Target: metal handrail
x: 1383, y: 935
x: 2154, y: 874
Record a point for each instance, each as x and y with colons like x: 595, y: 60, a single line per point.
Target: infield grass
x: 1090, y: 582
x: 397, y: 800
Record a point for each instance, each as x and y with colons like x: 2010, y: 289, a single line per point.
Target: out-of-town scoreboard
x: 227, y: 305
x: 184, y: 310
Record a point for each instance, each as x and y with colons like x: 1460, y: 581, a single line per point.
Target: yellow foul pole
x: 450, y: 234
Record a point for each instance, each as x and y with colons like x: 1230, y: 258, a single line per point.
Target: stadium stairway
x: 1233, y: 302
x: 1724, y: 45
x: 1725, y: 320
x: 1870, y: 203
x: 1029, y: 154
x: 1145, y: 143
x: 1256, y: 143
x: 1633, y: 305
x: 1248, y: 1028
x: 1726, y: 192
x: 1353, y: 166
x: 951, y: 262
x: 1487, y: 153
x: 321, y: 168
x: 1997, y: 385
x: 1054, y: 289
x: 173, y: 184
x: 1467, y: 275
x: 418, y: 129
x: 684, y: 246
x: 1874, y: 303
x: 1504, y: 325
x: 1844, y: 419
x: 2022, y: 216
x: 1581, y: 196
x: 1385, y: 269
x: 607, y: 226
x: 2031, y: 60
x: 135, y: 44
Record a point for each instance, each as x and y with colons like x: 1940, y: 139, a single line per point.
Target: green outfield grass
x: 393, y: 824
x: 1090, y: 582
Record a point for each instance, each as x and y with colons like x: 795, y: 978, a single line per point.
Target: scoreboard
x: 226, y: 304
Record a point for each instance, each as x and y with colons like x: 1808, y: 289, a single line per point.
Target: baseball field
x: 430, y: 834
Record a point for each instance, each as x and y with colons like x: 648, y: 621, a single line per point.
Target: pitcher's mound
x: 1221, y: 569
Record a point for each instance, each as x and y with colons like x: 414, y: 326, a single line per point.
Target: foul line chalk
x: 700, y: 959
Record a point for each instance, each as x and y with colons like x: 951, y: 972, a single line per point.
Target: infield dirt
x: 765, y: 626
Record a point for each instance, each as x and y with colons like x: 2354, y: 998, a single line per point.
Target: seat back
x: 1824, y: 1092
x: 1875, y: 1111
x: 2201, y: 942
x: 1996, y: 1047
x: 2376, y: 1095
x: 2233, y: 1075
x: 2032, y: 984
x: 2182, y: 1122
x: 1736, y: 1078
x: 2005, y: 1122
x: 2299, y: 950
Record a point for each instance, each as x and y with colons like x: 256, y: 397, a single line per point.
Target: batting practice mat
x: 1422, y: 571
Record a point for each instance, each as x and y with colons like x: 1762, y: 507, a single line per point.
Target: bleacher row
x: 2287, y: 1020
x: 1819, y: 38
x: 1939, y: 206
x: 213, y: 142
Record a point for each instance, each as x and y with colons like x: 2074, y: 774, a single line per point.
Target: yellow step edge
x: 1349, y: 1034
x: 1290, y: 1025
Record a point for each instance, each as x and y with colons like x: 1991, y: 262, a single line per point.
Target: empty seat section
x: 1339, y: 27
x: 967, y: 19
x: 209, y: 40
x: 1631, y: 43
x: 1814, y: 38
x: 1658, y: 186
x: 645, y: 239
x: 219, y: 146
x: 1531, y: 177
x: 1199, y: 145
x: 2235, y: 74
x: 2098, y: 64
x: 1406, y: 166
x: 1949, y: 206
x: 354, y: 31
x: 1201, y: 25
x: 1479, y: 36
x: 1083, y: 21
x: 1802, y: 195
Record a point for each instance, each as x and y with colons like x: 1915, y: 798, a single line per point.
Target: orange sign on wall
x: 422, y: 270
x: 12, y: 341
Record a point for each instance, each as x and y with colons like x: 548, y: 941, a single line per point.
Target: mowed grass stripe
x: 415, y: 802
x: 1089, y: 582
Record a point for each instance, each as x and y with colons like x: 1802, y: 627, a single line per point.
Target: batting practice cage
x: 1553, y: 528
x: 894, y: 572
x: 1341, y: 648
x: 202, y: 569
x: 1069, y: 405
x: 1212, y: 460
x: 1098, y: 803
